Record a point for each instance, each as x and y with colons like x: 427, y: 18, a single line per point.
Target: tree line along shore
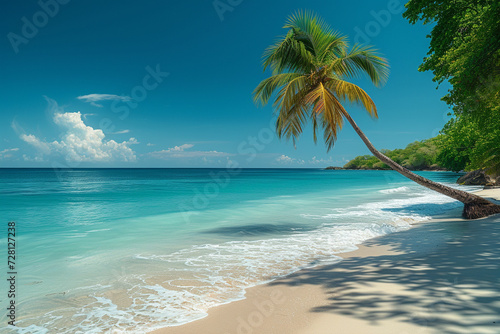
x: 427, y: 155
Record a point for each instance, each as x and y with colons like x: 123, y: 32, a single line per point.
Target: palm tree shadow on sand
x: 446, y: 278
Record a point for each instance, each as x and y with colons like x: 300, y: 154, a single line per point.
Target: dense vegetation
x: 416, y: 156
x: 465, y: 51
x: 469, y: 143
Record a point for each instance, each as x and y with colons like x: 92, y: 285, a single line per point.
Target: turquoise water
x: 132, y: 250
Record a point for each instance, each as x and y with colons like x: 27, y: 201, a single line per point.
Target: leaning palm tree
x: 311, y: 67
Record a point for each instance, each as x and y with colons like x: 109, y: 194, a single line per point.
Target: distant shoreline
x: 413, y: 170
x: 474, y: 178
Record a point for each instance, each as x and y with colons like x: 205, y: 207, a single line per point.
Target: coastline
x: 389, y: 169
x: 439, y: 276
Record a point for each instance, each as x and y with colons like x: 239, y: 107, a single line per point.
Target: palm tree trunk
x: 474, y: 206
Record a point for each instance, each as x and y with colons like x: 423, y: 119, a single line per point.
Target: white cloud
x: 179, y: 148
x: 4, y: 154
x: 9, y: 150
x: 328, y: 161
x: 120, y: 132
x: 182, y: 152
x: 80, y: 142
x: 40, y: 145
x: 149, y: 144
x: 37, y: 158
x: 284, y: 159
x: 93, y: 98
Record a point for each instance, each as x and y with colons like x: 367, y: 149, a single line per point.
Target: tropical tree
x: 464, y: 51
x: 311, y: 66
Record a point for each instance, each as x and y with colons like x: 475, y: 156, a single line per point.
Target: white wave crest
x: 394, y: 190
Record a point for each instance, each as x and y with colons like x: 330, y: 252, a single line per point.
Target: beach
x: 440, y: 276
x: 274, y: 251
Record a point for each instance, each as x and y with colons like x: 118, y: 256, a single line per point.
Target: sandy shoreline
x: 441, y: 276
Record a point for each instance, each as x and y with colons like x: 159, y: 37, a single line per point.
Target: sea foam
x: 394, y: 190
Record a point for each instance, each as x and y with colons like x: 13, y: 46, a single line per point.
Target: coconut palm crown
x: 311, y: 66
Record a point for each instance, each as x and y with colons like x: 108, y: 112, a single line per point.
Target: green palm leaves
x: 311, y: 66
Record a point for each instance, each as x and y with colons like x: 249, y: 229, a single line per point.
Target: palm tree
x: 310, y: 68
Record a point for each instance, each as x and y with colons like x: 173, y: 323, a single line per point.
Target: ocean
x: 133, y: 250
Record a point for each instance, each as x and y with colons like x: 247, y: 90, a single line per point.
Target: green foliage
x: 416, y: 156
x: 464, y: 47
x: 311, y: 69
x: 458, y: 144
x: 469, y: 143
x: 465, y: 50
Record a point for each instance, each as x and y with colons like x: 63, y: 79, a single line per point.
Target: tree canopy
x: 465, y: 50
x: 464, y: 47
x: 467, y: 144
x: 418, y: 155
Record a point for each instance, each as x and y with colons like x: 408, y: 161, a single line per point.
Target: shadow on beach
x: 442, y: 275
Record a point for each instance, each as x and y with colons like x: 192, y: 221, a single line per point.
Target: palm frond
x: 289, y: 54
x: 326, y: 105
x: 361, y: 60
x: 267, y: 87
x: 317, y: 33
x: 331, y: 129
x: 290, y: 122
x: 289, y: 94
x: 310, y: 67
x: 314, y: 117
x: 349, y: 92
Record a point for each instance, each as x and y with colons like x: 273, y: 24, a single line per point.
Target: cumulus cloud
x: 94, y: 98
x: 179, y: 148
x: 284, y: 159
x: 7, y: 153
x: 40, y: 145
x: 182, y: 151
x: 80, y: 142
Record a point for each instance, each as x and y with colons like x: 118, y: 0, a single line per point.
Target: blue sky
x: 169, y: 83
